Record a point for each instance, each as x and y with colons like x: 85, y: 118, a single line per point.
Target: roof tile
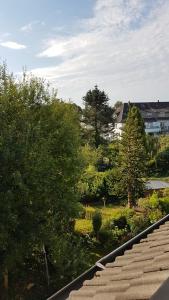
x: 135, y: 275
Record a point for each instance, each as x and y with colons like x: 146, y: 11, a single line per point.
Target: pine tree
x: 133, y: 155
x: 98, y: 116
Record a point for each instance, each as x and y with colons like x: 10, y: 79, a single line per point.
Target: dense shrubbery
x: 124, y: 223
x: 158, y: 163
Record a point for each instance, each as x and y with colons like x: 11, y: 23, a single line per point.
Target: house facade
x: 155, y: 115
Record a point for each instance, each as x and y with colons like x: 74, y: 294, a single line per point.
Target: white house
x: 155, y: 115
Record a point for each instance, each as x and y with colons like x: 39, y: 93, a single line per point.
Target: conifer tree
x: 98, y: 116
x: 133, y: 155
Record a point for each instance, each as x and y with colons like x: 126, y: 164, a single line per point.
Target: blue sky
x: 122, y: 45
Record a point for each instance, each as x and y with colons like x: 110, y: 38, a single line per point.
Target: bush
x: 166, y: 192
x: 104, y: 236
x: 149, y: 203
x: 120, y: 218
x: 97, y: 222
x: 111, y: 239
x: 164, y: 203
x: 121, y: 222
x: 163, y: 162
x: 154, y: 215
x: 138, y: 224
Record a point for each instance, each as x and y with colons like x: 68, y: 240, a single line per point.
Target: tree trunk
x: 130, y: 204
x: 6, y: 284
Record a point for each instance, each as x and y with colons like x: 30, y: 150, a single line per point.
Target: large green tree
x: 97, y: 117
x: 133, y: 155
x: 39, y: 167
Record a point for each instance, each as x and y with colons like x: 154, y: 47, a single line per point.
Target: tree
x: 118, y: 105
x: 152, y: 146
x: 97, y: 222
x: 40, y: 164
x: 97, y: 116
x: 133, y: 155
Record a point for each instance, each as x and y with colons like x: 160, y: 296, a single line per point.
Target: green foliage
x: 83, y: 225
x: 97, y: 222
x: 152, y: 146
x: 40, y: 165
x: 98, y: 117
x: 69, y: 252
x: 166, y: 192
x: 159, y: 165
x: 133, y: 155
x: 121, y: 222
x: 149, y: 203
x: 91, y: 182
x: 104, y: 236
x: 164, y: 204
x: 91, y: 155
x: 113, y: 183
x: 162, y: 162
x: 138, y: 223
x: 89, y: 212
x: 164, y: 142
x: 155, y: 215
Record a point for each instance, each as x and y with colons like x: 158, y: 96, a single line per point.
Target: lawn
x: 108, y: 213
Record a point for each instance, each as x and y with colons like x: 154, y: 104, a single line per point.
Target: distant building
x: 155, y: 115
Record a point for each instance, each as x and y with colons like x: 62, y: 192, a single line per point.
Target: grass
x: 83, y: 225
x: 108, y: 213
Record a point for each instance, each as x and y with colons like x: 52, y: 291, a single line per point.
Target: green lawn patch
x: 83, y: 226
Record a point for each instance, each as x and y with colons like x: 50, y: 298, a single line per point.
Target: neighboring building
x: 155, y: 186
x: 155, y: 115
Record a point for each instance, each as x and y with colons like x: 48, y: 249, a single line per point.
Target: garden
x: 106, y: 228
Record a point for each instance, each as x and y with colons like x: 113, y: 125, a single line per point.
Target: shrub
x: 139, y: 223
x: 111, y: 239
x: 121, y: 222
x: 120, y: 218
x: 97, y: 222
x: 162, y: 161
x: 154, y: 215
x: 104, y: 236
x: 164, y: 203
x: 166, y: 192
x: 149, y: 203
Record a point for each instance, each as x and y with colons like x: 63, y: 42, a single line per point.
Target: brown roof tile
x: 136, y: 275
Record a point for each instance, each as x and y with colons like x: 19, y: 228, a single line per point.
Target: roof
x: 156, y: 185
x: 143, y: 107
x: 136, y: 275
x: 136, y: 270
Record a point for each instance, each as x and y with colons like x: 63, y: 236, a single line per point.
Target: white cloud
x: 5, y: 34
x: 12, y: 45
x: 29, y: 27
x: 124, y: 48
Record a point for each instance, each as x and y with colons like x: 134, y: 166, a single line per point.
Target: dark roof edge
x: 77, y: 283
x: 162, y: 292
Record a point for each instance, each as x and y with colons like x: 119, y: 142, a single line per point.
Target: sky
x: 120, y: 45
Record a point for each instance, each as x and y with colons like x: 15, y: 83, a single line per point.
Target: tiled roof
x: 136, y: 275
x: 143, y: 106
x: 156, y: 185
